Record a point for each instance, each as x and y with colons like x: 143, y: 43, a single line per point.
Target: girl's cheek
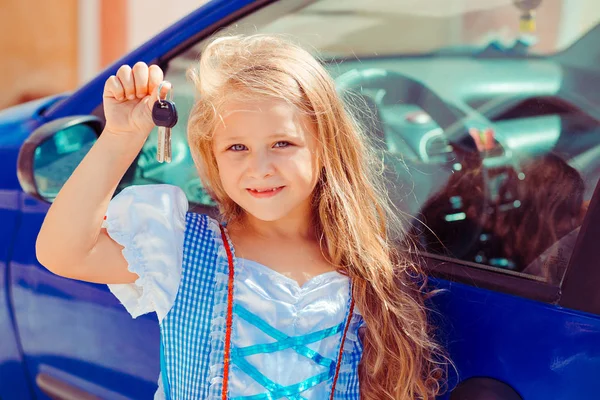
x: 229, y: 169
x: 225, y: 168
x: 228, y: 159
x: 305, y: 161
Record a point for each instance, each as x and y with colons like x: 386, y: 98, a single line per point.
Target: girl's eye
x: 282, y: 144
x: 237, y: 147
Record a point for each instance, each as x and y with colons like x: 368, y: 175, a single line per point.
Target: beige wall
x: 49, y: 41
x: 39, y: 49
x: 149, y: 17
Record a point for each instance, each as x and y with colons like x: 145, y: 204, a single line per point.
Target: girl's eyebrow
x: 285, y: 134
x: 277, y: 135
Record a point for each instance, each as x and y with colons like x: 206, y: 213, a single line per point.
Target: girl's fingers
x: 126, y: 77
x: 155, y: 77
x: 140, y: 79
x: 113, y: 88
x: 164, y: 91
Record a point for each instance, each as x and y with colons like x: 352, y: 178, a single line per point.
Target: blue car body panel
x: 16, y: 125
x: 541, y: 350
x: 79, y: 333
x: 12, y: 372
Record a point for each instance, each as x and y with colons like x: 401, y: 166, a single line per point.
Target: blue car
x: 491, y: 147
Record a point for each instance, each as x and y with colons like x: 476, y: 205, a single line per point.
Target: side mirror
x: 52, y: 152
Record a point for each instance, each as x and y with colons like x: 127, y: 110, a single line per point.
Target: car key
x: 164, y: 115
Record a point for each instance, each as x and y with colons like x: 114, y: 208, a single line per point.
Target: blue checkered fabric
x: 185, y: 330
x: 193, y: 332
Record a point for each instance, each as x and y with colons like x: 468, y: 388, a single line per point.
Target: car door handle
x: 58, y: 389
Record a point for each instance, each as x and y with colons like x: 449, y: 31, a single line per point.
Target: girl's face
x: 266, y: 154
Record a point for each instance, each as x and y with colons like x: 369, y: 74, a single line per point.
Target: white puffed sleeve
x: 149, y: 222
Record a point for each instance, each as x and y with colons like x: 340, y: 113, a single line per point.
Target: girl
x: 302, y: 295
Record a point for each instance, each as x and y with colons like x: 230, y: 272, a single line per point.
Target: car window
x: 181, y: 170
x: 491, y: 152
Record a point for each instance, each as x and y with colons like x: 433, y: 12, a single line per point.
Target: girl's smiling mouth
x: 266, y: 192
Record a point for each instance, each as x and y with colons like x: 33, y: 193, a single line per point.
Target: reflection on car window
x: 522, y: 217
x: 56, y: 158
x: 181, y: 171
x: 493, y: 154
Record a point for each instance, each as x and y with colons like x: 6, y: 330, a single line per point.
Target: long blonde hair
x: 351, y: 209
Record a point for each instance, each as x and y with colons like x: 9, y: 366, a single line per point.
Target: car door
x: 77, y: 340
x: 13, y: 379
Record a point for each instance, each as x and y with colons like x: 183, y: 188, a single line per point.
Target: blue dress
x: 285, y: 341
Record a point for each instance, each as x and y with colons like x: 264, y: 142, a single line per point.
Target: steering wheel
x: 457, y: 236
x: 400, y: 88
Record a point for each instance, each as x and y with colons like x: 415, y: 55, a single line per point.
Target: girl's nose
x: 260, y: 164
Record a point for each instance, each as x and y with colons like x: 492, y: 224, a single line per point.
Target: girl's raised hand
x: 129, y: 96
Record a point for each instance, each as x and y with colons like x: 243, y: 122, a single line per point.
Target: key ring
x: 170, y: 93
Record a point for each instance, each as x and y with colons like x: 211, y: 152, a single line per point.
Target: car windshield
x: 373, y: 28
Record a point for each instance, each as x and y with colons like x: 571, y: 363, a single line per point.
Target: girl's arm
x: 71, y: 242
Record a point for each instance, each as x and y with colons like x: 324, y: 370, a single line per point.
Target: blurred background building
x: 54, y: 46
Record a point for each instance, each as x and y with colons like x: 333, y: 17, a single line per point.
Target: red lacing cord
x: 227, y: 352
x: 339, y: 360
